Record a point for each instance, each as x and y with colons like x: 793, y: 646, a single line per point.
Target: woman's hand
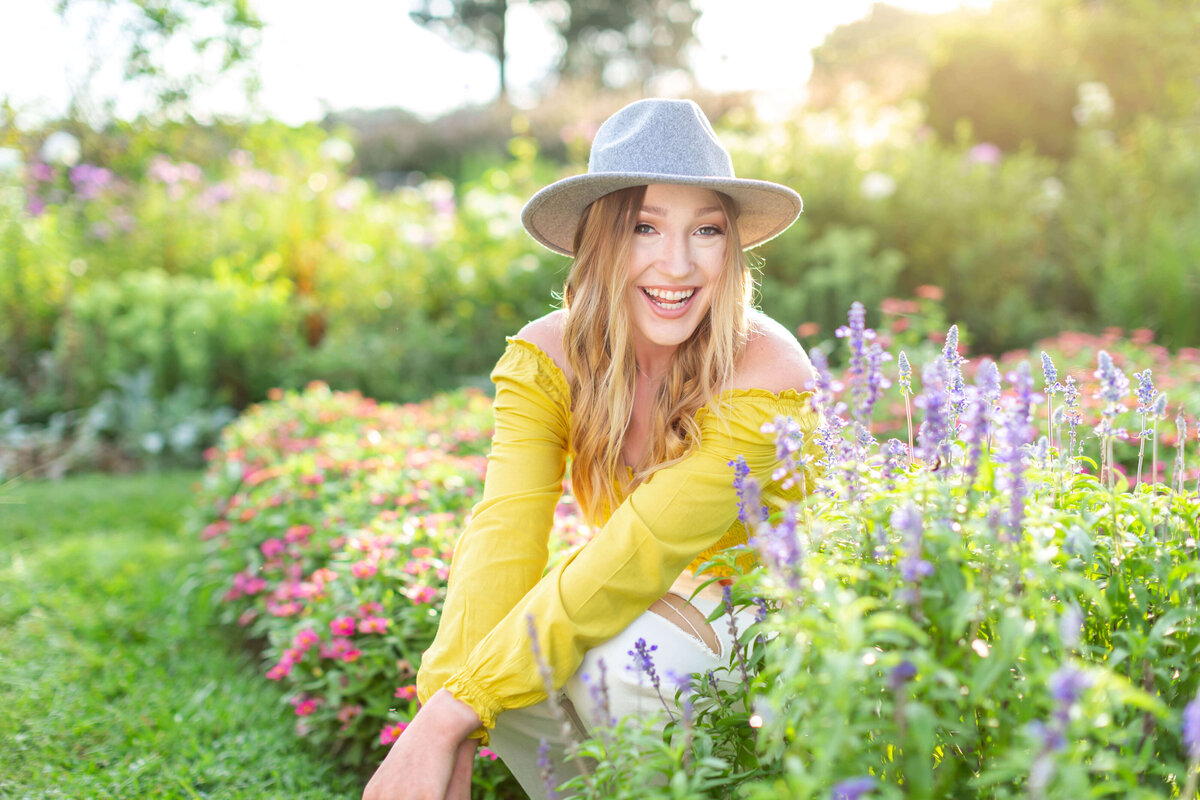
x: 425, y: 763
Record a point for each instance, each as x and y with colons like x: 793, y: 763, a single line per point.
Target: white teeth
x: 669, y: 296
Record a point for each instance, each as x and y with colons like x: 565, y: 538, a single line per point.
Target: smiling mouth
x: 669, y: 299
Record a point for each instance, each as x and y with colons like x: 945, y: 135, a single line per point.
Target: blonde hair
x: 598, y: 345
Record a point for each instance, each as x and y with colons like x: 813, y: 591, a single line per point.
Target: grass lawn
x: 111, y: 684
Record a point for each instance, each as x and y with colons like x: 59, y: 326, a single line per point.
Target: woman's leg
x: 685, y: 643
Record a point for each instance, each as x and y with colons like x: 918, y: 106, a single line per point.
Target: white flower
x: 61, y: 148
x: 1095, y: 104
x: 877, y: 185
x: 336, y: 150
x: 10, y: 161
x: 1051, y: 195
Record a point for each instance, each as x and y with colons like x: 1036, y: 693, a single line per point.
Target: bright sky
x: 369, y: 54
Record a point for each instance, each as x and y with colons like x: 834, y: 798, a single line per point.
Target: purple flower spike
x: 901, y: 674
x: 853, y: 789
x: 1114, y: 386
x: 751, y: 510
x: 643, y: 661
x: 937, y: 431
x: 781, y: 549
x: 905, y: 374
x: 954, y: 378
x: 1191, y: 729
x: 860, y: 364
x: 1145, y: 391
x: 908, y: 521
x: 1050, y: 373
x: 546, y: 770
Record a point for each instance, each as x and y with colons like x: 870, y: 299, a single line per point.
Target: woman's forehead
x: 674, y: 197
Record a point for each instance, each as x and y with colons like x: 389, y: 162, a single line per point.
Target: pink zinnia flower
x: 391, y: 733
x: 488, y: 754
x: 279, y: 671
x: 407, y: 692
x: 420, y: 594
x: 351, y: 655
x: 342, y: 626
x: 298, y: 533
x: 373, y: 625
x: 363, y: 569
x: 306, y: 707
x: 272, y: 547
x: 306, y: 639
x: 370, y: 608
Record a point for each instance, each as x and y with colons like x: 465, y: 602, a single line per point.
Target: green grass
x: 114, y: 683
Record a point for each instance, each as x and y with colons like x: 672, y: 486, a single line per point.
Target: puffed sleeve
x: 503, y: 551
x: 630, y: 562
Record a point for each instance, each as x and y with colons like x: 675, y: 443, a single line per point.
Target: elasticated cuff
x: 480, y: 701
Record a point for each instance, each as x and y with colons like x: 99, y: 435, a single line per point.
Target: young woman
x: 652, y: 379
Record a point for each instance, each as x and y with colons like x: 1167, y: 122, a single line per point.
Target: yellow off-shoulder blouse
x: 483, y: 653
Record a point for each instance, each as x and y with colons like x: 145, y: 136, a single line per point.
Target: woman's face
x: 676, y: 259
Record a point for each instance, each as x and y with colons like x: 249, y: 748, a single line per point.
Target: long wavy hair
x: 598, y: 343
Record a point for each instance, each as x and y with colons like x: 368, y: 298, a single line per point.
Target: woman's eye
x: 643, y: 227
x: 709, y: 230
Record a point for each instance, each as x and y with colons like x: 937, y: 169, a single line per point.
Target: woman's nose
x: 676, y: 261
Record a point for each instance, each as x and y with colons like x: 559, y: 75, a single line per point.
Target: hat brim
x: 765, y: 209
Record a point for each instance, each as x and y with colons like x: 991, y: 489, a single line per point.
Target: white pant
x: 685, y: 645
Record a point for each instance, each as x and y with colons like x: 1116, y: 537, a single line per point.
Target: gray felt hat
x: 658, y: 141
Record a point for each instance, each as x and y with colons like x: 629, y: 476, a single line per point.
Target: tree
x: 606, y: 43
x: 221, y: 34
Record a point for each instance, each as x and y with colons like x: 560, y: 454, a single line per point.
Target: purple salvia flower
x: 895, y: 452
x: 858, y: 335
x: 598, y: 689
x: 908, y: 521
x: 901, y: 674
x: 1070, y: 626
x: 905, y: 374
x: 876, y: 382
x: 978, y: 425
x: 751, y: 509
x: 1050, y: 374
x: 1074, y: 416
x: 936, y: 433
x: 1066, y: 687
x: 823, y: 384
x: 780, y: 547
x: 988, y: 381
x: 643, y: 661
x: 853, y: 789
x: 789, y: 449
x: 542, y: 664
x: 727, y: 599
x: 954, y: 379
x: 760, y: 615
x: 1014, y: 435
x: 1159, y: 409
x: 1145, y: 391
x: 1114, y: 386
x: 863, y: 439
x: 1191, y: 729
x: 546, y: 770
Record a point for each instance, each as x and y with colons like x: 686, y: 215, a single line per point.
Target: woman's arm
x: 433, y: 758
x: 504, y: 550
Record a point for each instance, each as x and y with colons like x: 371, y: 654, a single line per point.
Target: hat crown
x: 660, y: 137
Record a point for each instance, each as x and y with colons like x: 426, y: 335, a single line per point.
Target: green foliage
x: 116, y: 683
x: 225, y: 340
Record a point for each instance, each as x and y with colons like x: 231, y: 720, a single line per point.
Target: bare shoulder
x: 773, y: 360
x: 547, y: 332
